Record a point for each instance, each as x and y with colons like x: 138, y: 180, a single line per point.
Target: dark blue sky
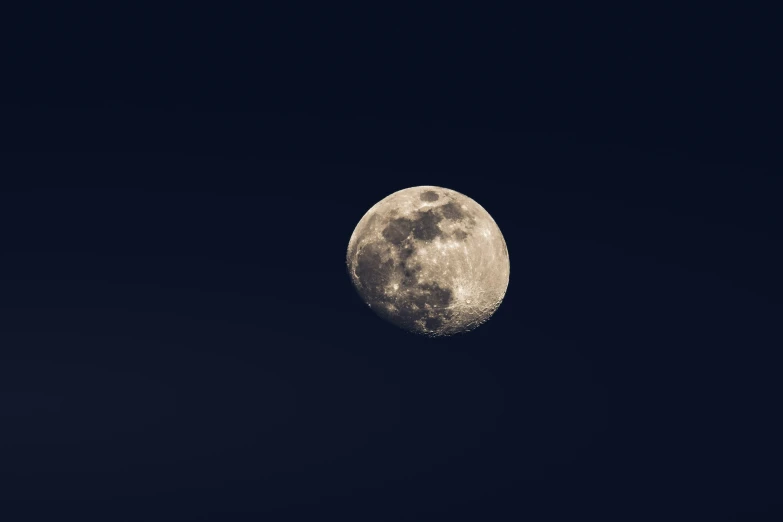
x: 179, y: 339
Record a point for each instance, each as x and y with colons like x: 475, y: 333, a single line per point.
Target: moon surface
x: 429, y: 260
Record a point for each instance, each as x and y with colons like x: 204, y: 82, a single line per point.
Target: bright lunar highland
x: 429, y: 260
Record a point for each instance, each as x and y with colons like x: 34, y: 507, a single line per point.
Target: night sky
x: 179, y: 338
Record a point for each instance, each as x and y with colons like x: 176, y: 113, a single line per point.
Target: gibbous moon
x: 429, y: 260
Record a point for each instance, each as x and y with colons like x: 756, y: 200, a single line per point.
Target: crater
x: 451, y: 211
x: 429, y: 196
x: 413, y: 306
x: 433, y: 323
x: 436, y: 295
x: 426, y: 227
x: 373, y: 271
x: 408, y: 279
x: 406, y: 251
x: 424, y: 305
x: 371, y: 219
x: 397, y: 230
x: 460, y: 235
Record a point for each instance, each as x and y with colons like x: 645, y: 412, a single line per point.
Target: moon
x: 429, y: 260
